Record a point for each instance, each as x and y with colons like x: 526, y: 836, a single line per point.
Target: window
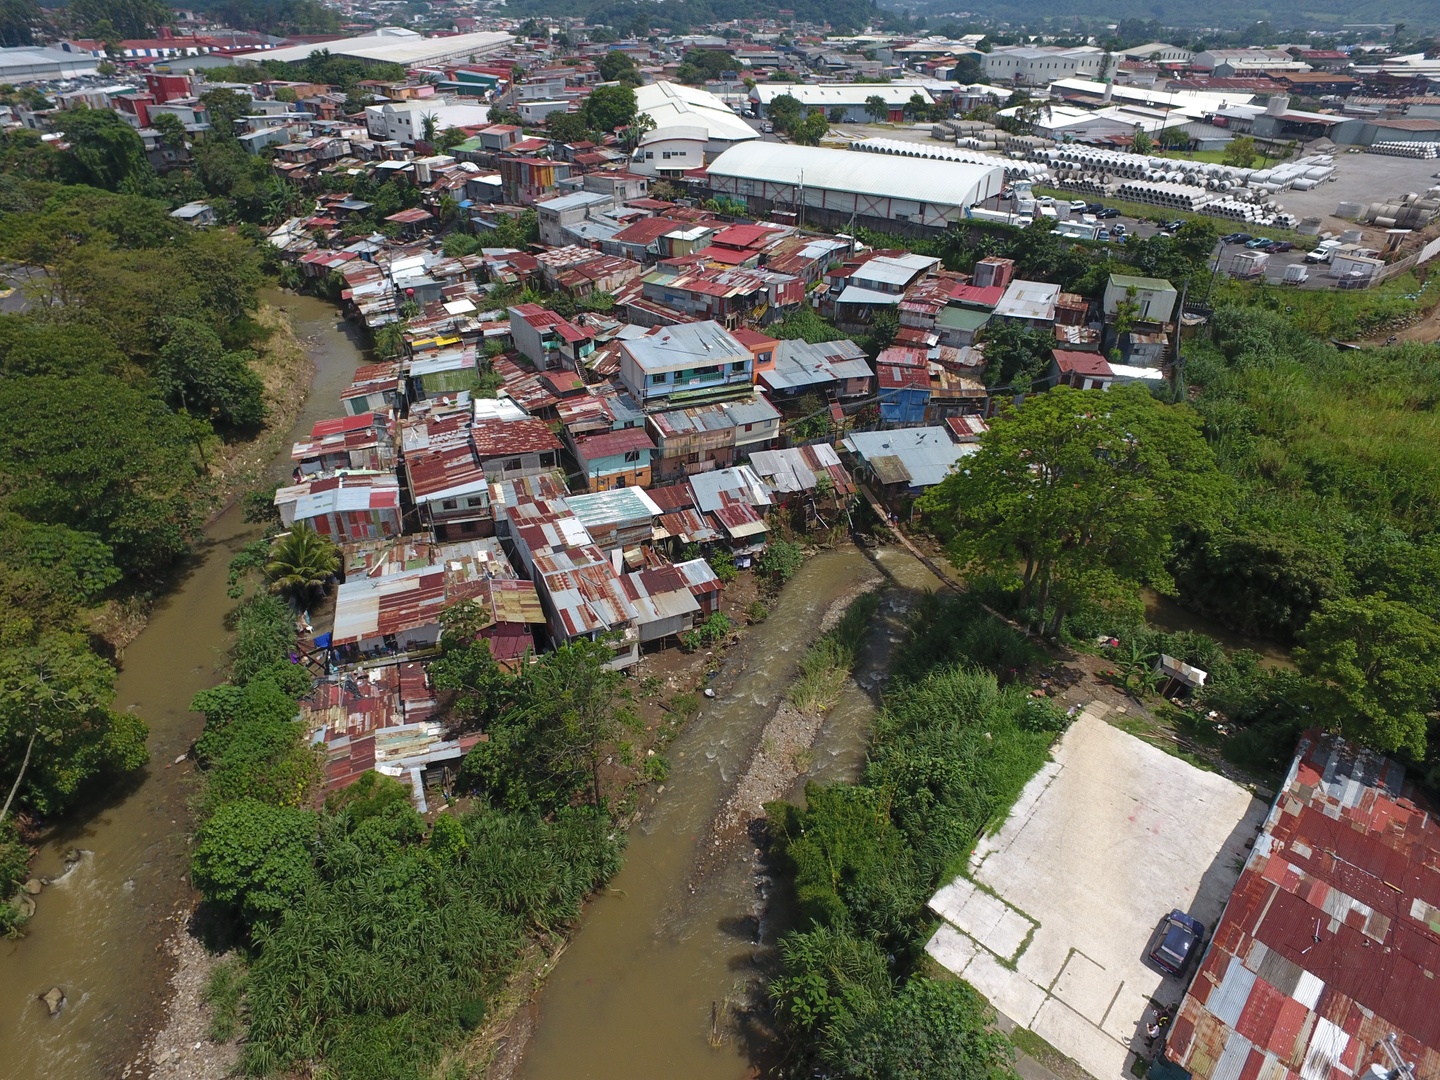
x: 449, y: 504
x: 665, y: 155
x: 656, y: 380
x: 692, y: 459
x: 738, y: 366
x: 475, y: 501
x: 632, y: 456
x: 713, y: 369
x: 513, y: 463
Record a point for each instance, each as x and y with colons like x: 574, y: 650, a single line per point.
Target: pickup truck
x: 1322, y: 253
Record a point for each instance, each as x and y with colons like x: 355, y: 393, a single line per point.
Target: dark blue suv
x: 1179, y: 941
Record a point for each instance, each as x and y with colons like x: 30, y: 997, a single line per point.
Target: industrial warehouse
x: 840, y: 187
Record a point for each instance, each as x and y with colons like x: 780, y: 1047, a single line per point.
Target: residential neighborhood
x: 719, y: 542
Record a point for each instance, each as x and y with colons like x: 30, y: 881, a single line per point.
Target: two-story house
x: 685, y: 364
x: 547, y: 339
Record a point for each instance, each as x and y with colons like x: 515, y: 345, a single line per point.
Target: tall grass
x: 827, y: 664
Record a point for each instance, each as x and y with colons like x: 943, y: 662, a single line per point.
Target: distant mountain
x: 1307, y: 14
x: 625, y: 14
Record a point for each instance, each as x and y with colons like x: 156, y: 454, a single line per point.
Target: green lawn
x: 1214, y: 157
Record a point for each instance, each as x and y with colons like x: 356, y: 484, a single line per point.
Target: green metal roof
x: 1153, y: 284
x: 958, y: 318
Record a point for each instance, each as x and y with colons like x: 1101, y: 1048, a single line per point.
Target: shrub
x: 723, y: 563
x: 757, y: 612
x: 781, y: 560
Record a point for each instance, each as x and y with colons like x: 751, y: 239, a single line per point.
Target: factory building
x: 843, y: 186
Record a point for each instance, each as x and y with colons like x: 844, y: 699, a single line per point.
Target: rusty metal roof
x: 1331, y: 938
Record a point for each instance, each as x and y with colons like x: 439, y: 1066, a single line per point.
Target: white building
x: 918, y: 190
x: 404, y: 121
x: 1225, y: 62
x: 849, y: 98
x: 671, y: 105
x: 1025, y: 65
x: 394, y: 45
x: 669, y: 151
x: 1157, y: 52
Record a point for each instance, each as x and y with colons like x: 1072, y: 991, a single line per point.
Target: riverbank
x: 285, y: 371
x: 104, y: 932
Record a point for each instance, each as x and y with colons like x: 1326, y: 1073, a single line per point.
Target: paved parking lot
x: 1057, y: 915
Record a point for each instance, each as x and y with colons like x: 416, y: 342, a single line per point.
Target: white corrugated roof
x: 938, y: 183
x: 672, y: 105
x: 391, y: 44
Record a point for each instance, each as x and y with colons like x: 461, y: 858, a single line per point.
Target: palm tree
x: 428, y: 125
x: 301, y: 563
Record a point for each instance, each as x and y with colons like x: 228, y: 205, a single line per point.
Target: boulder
x: 33, y: 886
x: 53, y: 999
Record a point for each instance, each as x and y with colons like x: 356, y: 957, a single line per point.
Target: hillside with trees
x: 125, y: 376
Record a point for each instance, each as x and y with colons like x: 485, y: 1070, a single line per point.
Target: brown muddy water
x: 99, y: 932
x: 657, y: 980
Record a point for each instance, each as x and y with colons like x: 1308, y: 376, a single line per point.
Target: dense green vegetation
x: 371, y: 942
x: 1307, y: 515
x: 954, y: 744
x: 128, y: 367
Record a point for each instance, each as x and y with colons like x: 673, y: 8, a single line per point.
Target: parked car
x: 1103, y: 235
x: 1178, y: 942
x: 1078, y: 206
x: 1095, y: 207
x: 1258, y: 242
x: 1237, y: 238
x: 1044, y: 200
x: 1107, y: 212
x: 1118, y: 229
x: 1172, y: 226
x: 1319, y: 255
x: 1279, y: 247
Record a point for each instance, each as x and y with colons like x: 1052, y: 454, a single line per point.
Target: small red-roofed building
x: 1082, y: 370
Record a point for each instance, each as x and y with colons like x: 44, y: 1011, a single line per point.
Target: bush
x: 710, y: 632
x: 723, y: 563
x: 780, y: 560
x: 254, y: 857
x: 471, y: 1013
x: 757, y: 612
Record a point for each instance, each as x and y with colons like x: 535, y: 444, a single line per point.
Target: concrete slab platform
x: 1102, y: 844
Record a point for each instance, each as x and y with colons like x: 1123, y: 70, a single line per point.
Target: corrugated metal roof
x: 934, y: 183
x: 1325, y: 947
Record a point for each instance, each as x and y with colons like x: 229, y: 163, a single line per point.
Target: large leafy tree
x: 123, y: 18
x: 196, y: 373
x: 57, y: 728
x: 102, y: 457
x: 1376, y: 667
x: 105, y: 152
x: 1077, y: 496
x: 608, y: 108
x: 255, y: 856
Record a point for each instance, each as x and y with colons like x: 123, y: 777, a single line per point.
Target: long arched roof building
x: 915, y: 190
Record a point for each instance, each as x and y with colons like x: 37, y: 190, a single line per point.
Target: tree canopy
x: 1077, y: 496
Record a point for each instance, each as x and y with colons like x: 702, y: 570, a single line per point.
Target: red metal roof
x: 613, y: 443
x: 1331, y: 938
x: 1083, y: 363
x: 973, y: 294
x: 339, y: 424
x: 496, y: 438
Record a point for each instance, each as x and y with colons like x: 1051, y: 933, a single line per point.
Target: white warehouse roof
x: 841, y: 95
x: 672, y: 105
x: 920, y: 180
x: 393, y: 45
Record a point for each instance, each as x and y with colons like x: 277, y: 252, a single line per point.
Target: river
x: 99, y: 932
x: 632, y: 996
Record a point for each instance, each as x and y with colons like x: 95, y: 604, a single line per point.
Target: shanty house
x: 1324, y: 963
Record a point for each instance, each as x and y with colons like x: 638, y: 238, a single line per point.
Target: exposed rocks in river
x: 33, y: 886
x: 53, y: 999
